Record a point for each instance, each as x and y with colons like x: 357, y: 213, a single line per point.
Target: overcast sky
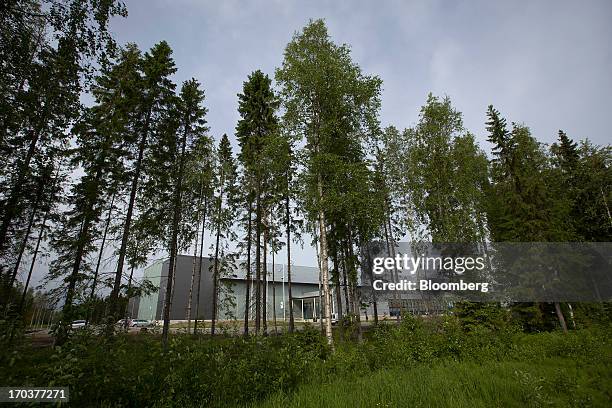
x: 547, y: 64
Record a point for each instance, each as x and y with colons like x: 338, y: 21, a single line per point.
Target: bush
x: 239, y: 370
x: 133, y: 370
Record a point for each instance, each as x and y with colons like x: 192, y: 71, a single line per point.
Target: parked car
x: 78, y: 324
x: 141, y: 323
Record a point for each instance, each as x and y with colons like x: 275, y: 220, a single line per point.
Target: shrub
x: 133, y: 370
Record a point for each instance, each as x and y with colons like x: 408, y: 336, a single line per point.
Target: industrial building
x: 232, y: 297
x: 305, y: 287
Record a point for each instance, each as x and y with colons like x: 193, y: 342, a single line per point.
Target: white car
x: 141, y: 323
x: 78, y: 324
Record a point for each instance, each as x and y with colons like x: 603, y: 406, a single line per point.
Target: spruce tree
x: 100, y: 153
x: 255, y: 130
x: 224, y: 214
x: 191, y: 126
x: 156, y: 97
x: 526, y: 202
x: 43, y: 80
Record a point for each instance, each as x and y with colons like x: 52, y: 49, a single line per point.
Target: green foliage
x: 331, y: 105
x: 233, y: 371
x: 583, y: 176
x: 592, y: 314
x: 489, y: 315
x: 446, y: 175
x: 238, y: 370
x: 525, y: 201
x: 48, y: 50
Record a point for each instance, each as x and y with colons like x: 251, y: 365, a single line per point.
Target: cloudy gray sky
x: 545, y: 63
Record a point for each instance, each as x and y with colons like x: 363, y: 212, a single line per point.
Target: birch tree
x: 330, y: 105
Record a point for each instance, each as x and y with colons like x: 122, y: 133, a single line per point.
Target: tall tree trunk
x: 67, y: 309
x: 314, y: 313
x: 195, y: 324
x: 356, y: 300
x: 126, y: 316
x: 392, y: 254
x: 338, y: 292
x: 273, y: 292
x: 193, y: 273
x: 264, y: 294
x: 560, y: 317
x: 99, y: 261
x: 22, y: 248
x: 349, y: 279
x: 11, y: 206
x: 216, y: 268
x: 258, y: 264
x: 247, y: 300
x: 324, y: 267
x: 371, y: 276
x: 39, y: 196
x: 347, y: 303
x: 114, y: 297
x: 33, y: 262
x: 288, y: 215
x: 176, y: 220
x: 168, y: 300
x: 62, y: 332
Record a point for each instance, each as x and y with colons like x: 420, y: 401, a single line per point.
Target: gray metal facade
x: 233, y: 285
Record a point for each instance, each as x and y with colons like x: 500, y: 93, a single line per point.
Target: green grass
x: 557, y: 382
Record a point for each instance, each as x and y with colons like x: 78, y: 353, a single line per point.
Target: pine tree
x: 223, y: 218
x: 191, y: 126
x: 255, y: 129
x: 37, y: 115
x: 155, y: 96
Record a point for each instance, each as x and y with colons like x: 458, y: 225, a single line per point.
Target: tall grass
x: 558, y: 382
x: 432, y: 362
